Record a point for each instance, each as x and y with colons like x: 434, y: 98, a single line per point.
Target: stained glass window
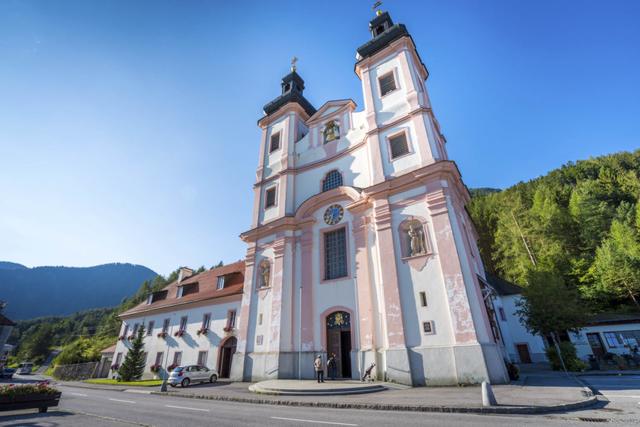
x: 339, y: 319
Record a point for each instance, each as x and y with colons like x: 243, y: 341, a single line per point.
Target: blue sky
x: 128, y: 129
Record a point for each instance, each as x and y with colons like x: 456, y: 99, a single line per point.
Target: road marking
x: 621, y: 395
x: 122, y: 400
x: 313, y: 421
x: 186, y: 407
x: 79, y: 394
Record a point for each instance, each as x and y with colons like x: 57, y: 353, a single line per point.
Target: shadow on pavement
x: 52, y: 418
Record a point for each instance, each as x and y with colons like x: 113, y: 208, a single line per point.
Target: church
x: 360, y: 243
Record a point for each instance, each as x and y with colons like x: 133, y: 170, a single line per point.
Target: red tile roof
x: 207, y: 283
x: 110, y: 349
x: 4, y: 321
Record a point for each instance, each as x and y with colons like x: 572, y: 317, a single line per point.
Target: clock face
x: 333, y: 214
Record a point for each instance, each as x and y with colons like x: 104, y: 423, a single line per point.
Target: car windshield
x: 179, y: 369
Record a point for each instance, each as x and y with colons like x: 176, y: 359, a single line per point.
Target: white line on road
x: 122, y: 400
x: 613, y: 396
x: 312, y: 421
x: 186, y: 407
x: 79, y: 394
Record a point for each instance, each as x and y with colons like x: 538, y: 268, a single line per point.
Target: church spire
x: 292, y: 88
x: 383, y: 32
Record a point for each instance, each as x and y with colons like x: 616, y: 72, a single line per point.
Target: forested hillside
x: 59, y: 291
x: 580, y: 222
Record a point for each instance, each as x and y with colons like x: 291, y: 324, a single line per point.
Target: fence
x: 78, y: 371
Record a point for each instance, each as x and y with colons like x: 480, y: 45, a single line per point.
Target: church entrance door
x: 226, y: 356
x: 339, y: 341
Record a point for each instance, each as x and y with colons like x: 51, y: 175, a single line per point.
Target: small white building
x: 191, y: 321
x: 6, y: 326
x: 608, y: 333
x: 520, y: 345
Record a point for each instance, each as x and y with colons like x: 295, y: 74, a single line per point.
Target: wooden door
x: 523, y: 353
x: 333, y: 346
x: 596, y: 344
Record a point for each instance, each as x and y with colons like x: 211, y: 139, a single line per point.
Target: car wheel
x: 185, y: 382
x: 213, y: 378
x: 172, y: 385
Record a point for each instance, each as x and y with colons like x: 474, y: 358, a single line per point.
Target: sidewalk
x: 533, y: 394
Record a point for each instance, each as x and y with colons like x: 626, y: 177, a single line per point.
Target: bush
x: 571, y: 360
x: 10, y: 391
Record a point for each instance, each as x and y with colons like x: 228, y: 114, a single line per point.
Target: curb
x: 326, y: 392
x: 393, y: 407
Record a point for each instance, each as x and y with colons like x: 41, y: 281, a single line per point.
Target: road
x: 89, y: 407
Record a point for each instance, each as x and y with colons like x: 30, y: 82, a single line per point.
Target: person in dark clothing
x: 332, y: 366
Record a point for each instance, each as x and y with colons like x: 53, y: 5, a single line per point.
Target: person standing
x: 317, y: 364
x: 332, y: 366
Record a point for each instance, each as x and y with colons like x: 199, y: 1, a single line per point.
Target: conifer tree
x: 133, y: 366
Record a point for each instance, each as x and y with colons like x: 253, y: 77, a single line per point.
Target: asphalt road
x: 89, y: 407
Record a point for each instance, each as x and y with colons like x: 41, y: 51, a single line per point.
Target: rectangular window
x: 177, y: 358
x: 503, y: 316
x: 387, y: 83
x: 231, y: 319
x: 427, y: 328
x: 260, y: 319
x: 423, y: 299
x: 158, y: 296
x: 206, y: 320
x: 134, y: 332
x: 220, y: 284
x: 118, y: 358
x: 259, y: 340
x: 183, y: 323
x: 165, y: 326
x: 159, y: 356
x: 335, y: 254
x: 612, y: 339
x: 399, y: 146
x: 150, y: 328
x: 275, y: 142
x: 126, y: 330
x: 270, y: 198
x: 202, y: 358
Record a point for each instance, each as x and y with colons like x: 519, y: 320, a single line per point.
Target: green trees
x: 579, y: 222
x: 133, y: 366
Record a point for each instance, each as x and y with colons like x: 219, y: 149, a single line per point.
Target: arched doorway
x: 339, y: 341
x: 227, y: 350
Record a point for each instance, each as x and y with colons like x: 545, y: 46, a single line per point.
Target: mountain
x: 6, y: 265
x: 59, y: 291
x: 580, y: 222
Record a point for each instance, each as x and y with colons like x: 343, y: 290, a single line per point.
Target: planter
x: 39, y: 401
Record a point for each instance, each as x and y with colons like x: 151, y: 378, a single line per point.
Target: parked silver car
x: 185, y: 375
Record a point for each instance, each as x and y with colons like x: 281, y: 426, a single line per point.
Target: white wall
x: 583, y: 348
x: 514, y: 332
x: 189, y: 344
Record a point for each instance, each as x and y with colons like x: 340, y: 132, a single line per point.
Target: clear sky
x: 128, y: 128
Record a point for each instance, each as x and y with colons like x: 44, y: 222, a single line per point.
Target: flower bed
x: 179, y: 333
x: 39, y: 396
x: 162, y: 335
x: 203, y: 331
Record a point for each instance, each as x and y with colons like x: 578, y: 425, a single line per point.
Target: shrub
x: 11, y: 390
x: 571, y: 360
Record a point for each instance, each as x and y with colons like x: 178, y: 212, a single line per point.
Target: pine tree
x: 133, y: 366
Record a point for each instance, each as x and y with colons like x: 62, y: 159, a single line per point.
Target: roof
x: 613, y: 318
x: 5, y: 321
x: 207, y: 289
x: 501, y: 286
x: 110, y: 349
x: 378, y: 43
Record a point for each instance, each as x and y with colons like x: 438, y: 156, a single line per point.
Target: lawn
x: 141, y: 383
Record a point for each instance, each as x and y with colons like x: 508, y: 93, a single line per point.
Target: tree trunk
x: 633, y: 297
x: 557, y: 346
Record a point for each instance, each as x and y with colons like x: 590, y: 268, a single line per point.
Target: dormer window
x: 387, y: 83
x: 220, y: 284
x: 332, y: 180
x: 157, y: 296
x: 275, y: 142
x: 188, y: 289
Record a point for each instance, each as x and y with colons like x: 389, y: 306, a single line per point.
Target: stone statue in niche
x: 417, y: 244
x: 331, y: 131
x: 265, y: 274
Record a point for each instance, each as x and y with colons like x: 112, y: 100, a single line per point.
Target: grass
x: 140, y: 383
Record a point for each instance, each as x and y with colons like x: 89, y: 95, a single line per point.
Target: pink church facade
x: 360, y: 243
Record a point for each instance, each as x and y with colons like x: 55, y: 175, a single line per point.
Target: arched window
x: 332, y: 180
